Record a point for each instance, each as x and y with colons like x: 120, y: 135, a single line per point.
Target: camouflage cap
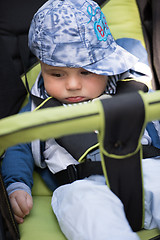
x: 75, y: 33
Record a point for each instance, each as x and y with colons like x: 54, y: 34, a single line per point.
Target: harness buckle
x: 72, y: 173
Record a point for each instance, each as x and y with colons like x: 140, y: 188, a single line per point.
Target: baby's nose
x: 73, y: 83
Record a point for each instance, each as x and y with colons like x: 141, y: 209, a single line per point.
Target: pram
x: 42, y: 195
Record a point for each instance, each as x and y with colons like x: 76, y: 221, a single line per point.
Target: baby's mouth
x: 75, y: 99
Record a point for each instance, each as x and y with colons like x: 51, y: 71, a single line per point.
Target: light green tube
x: 50, y: 123
x: 60, y: 121
x: 152, y: 105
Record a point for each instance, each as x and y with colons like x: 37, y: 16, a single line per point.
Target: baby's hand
x: 21, y: 203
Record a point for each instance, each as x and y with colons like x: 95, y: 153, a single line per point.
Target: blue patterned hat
x: 74, y: 33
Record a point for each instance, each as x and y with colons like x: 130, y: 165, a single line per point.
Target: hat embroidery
x: 100, y: 26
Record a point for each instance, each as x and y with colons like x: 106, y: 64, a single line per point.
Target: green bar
x: 50, y: 123
x: 60, y: 121
x: 152, y: 105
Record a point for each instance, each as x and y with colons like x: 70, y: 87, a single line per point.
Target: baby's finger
x: 22, y: 203
x: 16, y: 209
x: 29, y: 202
x: 19, y: 219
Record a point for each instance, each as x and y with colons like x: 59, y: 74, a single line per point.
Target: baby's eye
x: 56, y: 74
x: 85, y: 73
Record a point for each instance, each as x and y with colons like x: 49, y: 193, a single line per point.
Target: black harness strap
x: 123, y: 129
x: 78, y: 144
x: 79, y: 171
x: 129, y: 86
x: 125, y: 181
x: 88, y: 168
x: 150, y: 151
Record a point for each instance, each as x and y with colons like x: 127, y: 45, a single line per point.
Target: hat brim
x: 118, y: 62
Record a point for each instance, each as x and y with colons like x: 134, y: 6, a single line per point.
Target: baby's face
x: 72, y: 85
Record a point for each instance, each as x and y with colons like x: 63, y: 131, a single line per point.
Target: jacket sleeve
x: 18, y: 163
